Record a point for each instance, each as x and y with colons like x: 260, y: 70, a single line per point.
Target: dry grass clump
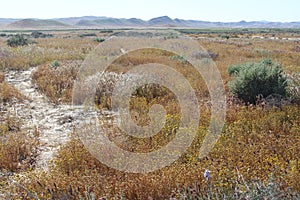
x: 18, y: 150
x: 56, y: 82
x: 2, y: 77
x: 9, y: 93
x: 294, y: 87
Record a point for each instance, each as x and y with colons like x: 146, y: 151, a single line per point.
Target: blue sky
x: 210, y: 10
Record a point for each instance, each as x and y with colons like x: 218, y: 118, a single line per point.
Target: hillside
x: 112, y: 22
x: 163, y: 21
x: 35, y: 23
x: 75, y: 20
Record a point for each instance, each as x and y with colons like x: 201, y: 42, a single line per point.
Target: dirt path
x: 54, y: 122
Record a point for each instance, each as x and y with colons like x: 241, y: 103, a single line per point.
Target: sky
x: 208, y: 10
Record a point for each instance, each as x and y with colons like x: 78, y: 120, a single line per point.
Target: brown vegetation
x: 258, y: 147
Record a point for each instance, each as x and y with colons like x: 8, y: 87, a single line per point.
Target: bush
x: 88, y: 35
x: 225, y: 36
x: 17, y: 40
x: 106, y: 31
x: 55, y: 64
x: 37, y: 34
x: 99, y: 39
x: 257, y: 79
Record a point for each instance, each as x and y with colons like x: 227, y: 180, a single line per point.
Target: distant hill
x: 76, y: 20
x: 109, y: 22
x: 84, y: 22
x: 166, y: 21
x: 137, y: 21
x: 35, y: 24
x: 162, y: 21
x: 112, y: 22
x: 6, y: 21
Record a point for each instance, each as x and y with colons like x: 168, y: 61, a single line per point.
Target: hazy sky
x: 210, y: 10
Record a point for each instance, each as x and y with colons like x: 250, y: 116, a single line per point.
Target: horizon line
x: 37, y: 18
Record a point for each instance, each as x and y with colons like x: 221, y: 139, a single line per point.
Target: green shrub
x: 55, y: 64
x: 179, y: 58
x: 17, y: 40
x: 87, y: 35
x: 225, y: 36
x: 106, y: 31
x: 37, y: 34
x: 99, y: 39
x: 254, y: 79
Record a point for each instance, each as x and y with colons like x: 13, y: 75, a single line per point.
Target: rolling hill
x: 165, y: 21
x: 109, y: 22
x: 75, y: 20
x: 35, y: 24
x: 112, y: 22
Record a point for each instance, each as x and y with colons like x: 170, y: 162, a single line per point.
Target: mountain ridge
x: 162, y: 21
